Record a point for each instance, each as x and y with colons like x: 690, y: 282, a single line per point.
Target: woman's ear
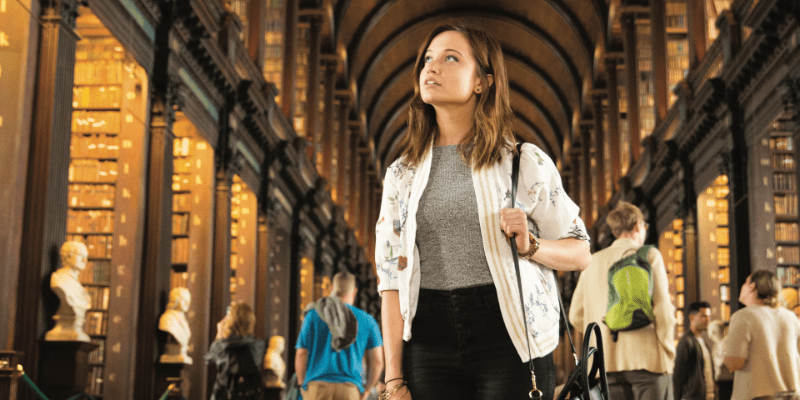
x: 490, y: 79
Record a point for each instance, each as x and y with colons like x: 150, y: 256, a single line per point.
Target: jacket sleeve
x: 662, y: 305
x: 681, y: 363
x: 555, y: 214
x: 387, y: 234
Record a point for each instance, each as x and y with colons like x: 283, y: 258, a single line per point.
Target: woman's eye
x: 428, y: 59
x: 451, y: 58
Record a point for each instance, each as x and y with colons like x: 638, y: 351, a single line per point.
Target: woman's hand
x: 514, y: 221
x: 402, y: 394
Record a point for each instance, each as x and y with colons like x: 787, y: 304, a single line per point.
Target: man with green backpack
x: 626, y: 292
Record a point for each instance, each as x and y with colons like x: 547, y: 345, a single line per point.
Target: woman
x: 443, y: 256
x: 237, y: 355
x: 763, y: 338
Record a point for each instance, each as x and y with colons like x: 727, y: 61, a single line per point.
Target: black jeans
x: 460, y: 349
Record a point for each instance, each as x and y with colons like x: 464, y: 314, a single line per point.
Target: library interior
x: 237, y: 149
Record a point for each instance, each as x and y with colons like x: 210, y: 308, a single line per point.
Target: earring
x: 478, y: 90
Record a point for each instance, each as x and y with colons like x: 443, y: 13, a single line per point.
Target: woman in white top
x: 443, y: 257
x: 763, y: 338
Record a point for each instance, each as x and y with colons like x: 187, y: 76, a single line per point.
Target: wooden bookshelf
x: 105, y: 125
x: 784, y: 196
x: 671, y: 247
x: 677, y: 44
x: 646, y: 78
x: 713, y: 213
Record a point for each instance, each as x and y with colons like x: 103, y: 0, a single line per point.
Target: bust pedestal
x: 64, y: 368
x: 8, y: 374
x: 168, y: 373
x: 273, y: 393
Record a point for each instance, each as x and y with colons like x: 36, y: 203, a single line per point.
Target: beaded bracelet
x: 386, y: 395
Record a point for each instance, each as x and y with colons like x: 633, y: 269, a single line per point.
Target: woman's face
x: 449, y: 73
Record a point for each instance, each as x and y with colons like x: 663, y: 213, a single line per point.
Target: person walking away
x: 640, y: 361
x: 763, y: 338
x: 334, y: 339
x: 693, y: 377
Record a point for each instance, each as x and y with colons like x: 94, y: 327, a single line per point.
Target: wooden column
x: 658, y: 42
x: 613, y: 118
x: 352, y: 174
x: 257, y: 11
x: 290, y: 59
x: 331, y: 62
x: 586, y: 173
x: 261, y: 306
x: 45, y: 215
x: 739, y: 197
x: 690, y: 256
x: 628, y: 22
x: 155, y: 281
x: 599, y: 149
x: 312, y: 87
x: 575, y: 160
x: 696, y: 21
x: 342, y: 146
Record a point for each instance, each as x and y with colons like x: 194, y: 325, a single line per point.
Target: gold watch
x: 533, y: 249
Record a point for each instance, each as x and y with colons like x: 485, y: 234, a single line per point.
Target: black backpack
x: 244, y: 377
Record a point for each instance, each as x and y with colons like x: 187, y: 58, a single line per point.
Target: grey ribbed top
x: 449, y: 237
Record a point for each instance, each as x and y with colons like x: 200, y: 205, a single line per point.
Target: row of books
x: 99, y: 49
x: 96, y: 122
x: 178, y: 279
x: 676, y: 14
x: 100, y: 146
x: 722, y: 236
x: 781, y: 143
x: 180, y: 224
x: 96, y: 97
x: 89, y: 195
x: 783, y: 125
x: 182, y: 147
x: 787, y: 254
x: 99, y: 72
x: 98, y: 355
x: 724, y: 293
x: 96, y: 323
x: 96, y: 272
x: 723, y: 256
x: 93, y: 171
x: 783, y: 161
x: 787, y: 231
x: 789, y: 276
x: 182, y: 202
x: 183, y: 166
x: 90, y: 221
x: 786, y: 205
x: 724, y: 276
x: 180, y: 250
x: 725, y: 312
x: 181, y: 183
x: 99, y: 296
x: 786, y: 182
x: 96, y: 381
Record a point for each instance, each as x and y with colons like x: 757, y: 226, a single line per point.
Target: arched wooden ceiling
x: 549, y: 47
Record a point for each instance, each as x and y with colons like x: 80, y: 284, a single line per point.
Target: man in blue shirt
x: 334, y: 340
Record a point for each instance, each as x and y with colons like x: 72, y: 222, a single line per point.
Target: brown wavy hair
x: 624, y: 218
x: 492, y: 131
x: 241, y: 321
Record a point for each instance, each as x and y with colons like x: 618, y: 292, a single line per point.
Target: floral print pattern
x: 551, y: 214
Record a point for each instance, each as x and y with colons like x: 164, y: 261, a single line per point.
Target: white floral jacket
x: 551, y: 215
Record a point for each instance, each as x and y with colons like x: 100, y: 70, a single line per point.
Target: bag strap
x: 535, y: 393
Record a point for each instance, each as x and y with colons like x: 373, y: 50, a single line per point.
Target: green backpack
x: 630, y: 293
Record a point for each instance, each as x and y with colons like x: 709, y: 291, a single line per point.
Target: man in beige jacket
x: 640, y: 362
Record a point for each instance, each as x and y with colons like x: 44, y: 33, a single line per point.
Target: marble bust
x: 274, y: 364
x: 174, y: 322
x: 74, y: 299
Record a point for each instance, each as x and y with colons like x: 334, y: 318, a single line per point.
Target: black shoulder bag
x: 583, y: 383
